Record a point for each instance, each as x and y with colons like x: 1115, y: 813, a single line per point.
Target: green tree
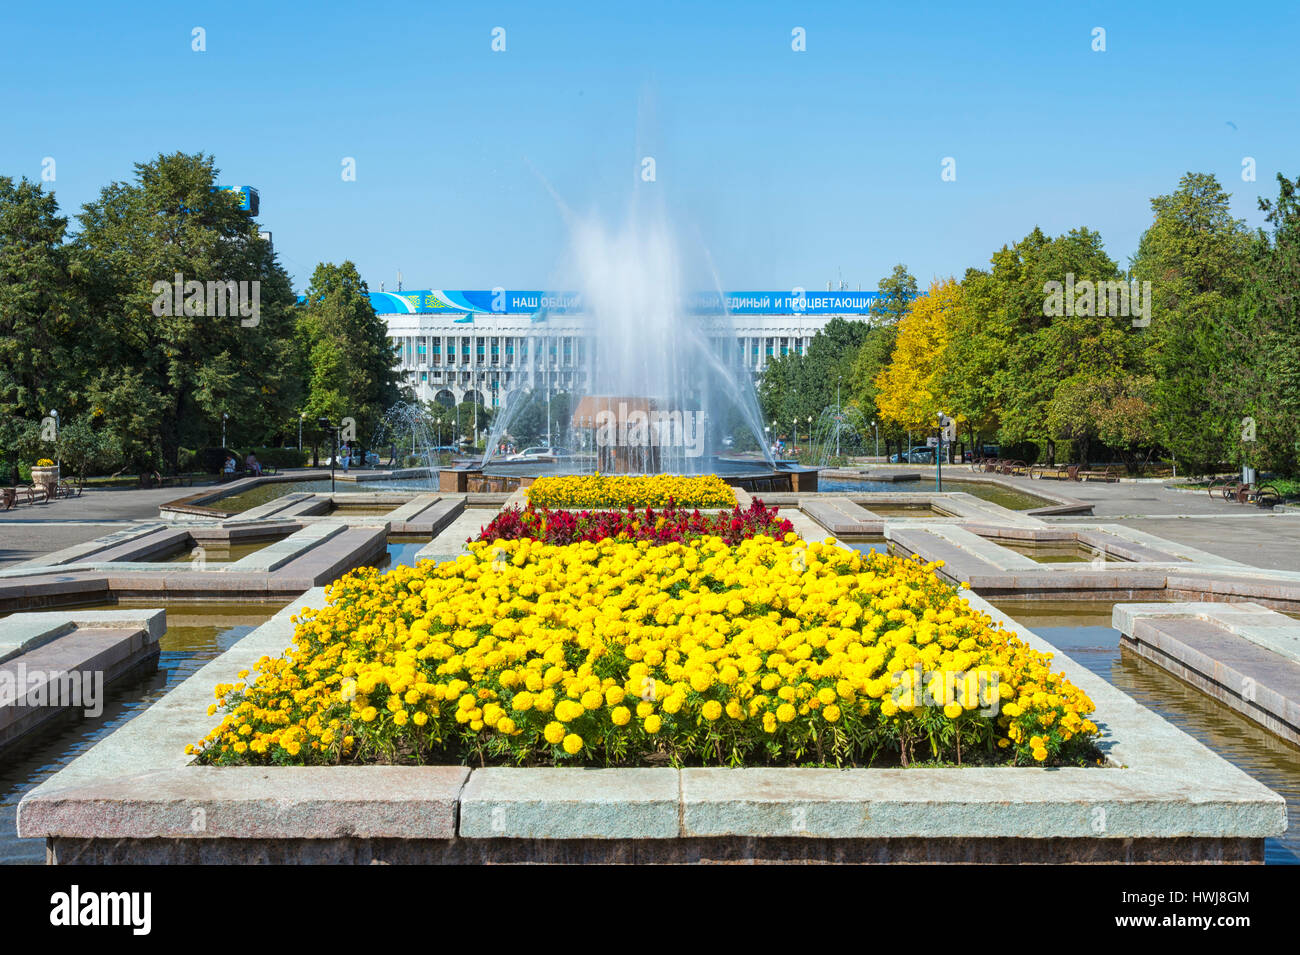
x: 1008, y: 354
x: 798, y: 386
x: 162, y: 375
x: 1264, y: 343
x: 1196, y: 257
x: 873, y: 356
x: 350, y: 370
x: 41, y: 327
x: 897, y: 292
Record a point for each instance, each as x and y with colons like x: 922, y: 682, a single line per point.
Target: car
x: 917, y: 455
x: 538, y: 453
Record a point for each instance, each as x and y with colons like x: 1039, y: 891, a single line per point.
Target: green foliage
x: 163, y: 380
x: 797, y: 386
x: 1263, y: 343
x: 277, y: 457
x: 897, y: 291
x: 350, y: 370
x: 1197, y: 258
x: 41, y: 325
x: 527, y: 422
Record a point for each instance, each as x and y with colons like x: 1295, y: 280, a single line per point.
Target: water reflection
x: 1002, y: 496
x: 195, y: 634
x: 401, y: 551
x: 1083, y: 631
x: 265, y: 493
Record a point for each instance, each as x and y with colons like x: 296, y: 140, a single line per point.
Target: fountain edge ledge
x: 134, y: 797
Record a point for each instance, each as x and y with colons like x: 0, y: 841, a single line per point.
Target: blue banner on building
x: 507, y: 302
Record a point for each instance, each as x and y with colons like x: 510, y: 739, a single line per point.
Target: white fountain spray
x: 645, y: 344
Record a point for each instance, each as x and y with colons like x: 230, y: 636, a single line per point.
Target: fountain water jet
x: 665, y: 381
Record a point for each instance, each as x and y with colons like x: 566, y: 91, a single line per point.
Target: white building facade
x: 449, y: 348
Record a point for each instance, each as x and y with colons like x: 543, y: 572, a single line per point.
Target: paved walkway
x: 28, y: 530
x: 1238, y: 532
x: 1262, y: 538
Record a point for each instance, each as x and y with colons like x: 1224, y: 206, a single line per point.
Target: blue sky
x: 791, y: 168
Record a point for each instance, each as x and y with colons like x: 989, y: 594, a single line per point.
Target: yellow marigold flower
x: 952, y: 710
x: 831, y: 713
x: 785, y: 712
x: 653, y: 723
x: 711, y: 710
x: 554, y: 733
x: 567, y: 711
x: 572, y: 744
x: 620, y: 715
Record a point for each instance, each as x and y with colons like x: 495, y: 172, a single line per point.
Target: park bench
x: 1059, y: 472
x: 243, y: 472
x: 1107, y: 472
x: 170, y: 480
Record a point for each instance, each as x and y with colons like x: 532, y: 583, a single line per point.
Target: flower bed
x: 671, y: 525
x: 628, y: 653
x: 630, y: 490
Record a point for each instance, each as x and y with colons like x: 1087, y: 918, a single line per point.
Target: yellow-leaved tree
x: 906, y: 386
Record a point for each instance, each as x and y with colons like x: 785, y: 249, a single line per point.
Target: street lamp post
x: 876, y: 432
x: 301, y: 416
x: 224, y: 416
x: 938, y: 455
x: 327, y: 427
x: 54, y: 413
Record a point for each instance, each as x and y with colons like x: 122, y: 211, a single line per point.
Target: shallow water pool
x: 1082, y: 631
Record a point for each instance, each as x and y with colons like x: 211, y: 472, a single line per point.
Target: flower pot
x: 47, y: 476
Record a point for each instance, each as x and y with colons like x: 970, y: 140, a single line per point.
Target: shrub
x: 279, y: 457
x: 211, y: 460
x: 628, y: 653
